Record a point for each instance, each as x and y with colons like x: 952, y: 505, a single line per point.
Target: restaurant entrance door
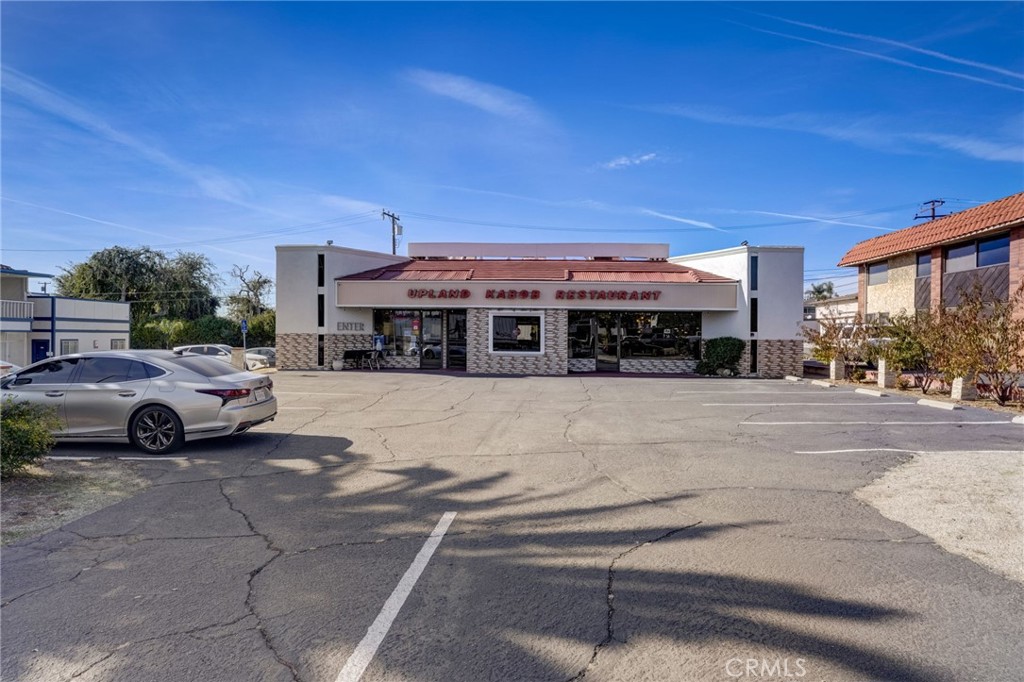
x: 608, y: 335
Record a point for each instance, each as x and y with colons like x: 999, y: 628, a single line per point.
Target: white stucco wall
x: 296, y: 286
x: 779, y: 291
x: 93, y: 324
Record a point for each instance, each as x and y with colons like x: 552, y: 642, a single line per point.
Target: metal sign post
x: 245, y: 330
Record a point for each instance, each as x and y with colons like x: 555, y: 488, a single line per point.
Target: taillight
x: 225, y: 394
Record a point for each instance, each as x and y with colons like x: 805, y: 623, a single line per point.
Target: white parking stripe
x: 934, y: 452
x: 862, y: 404
x: 765, y: 393
x: 147, y: 459
x: 863, y: 423
x: 309, y: 393
x: 69, y: 458
x: 361, y: 657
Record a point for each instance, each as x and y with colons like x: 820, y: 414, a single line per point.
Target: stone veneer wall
x: 555, y: 360
x: 582, y: 364
x: 777, y: 358
x: 296, y: 351
x: 657, y: 366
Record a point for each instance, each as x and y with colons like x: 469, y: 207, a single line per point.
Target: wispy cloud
x: 901, y: 45
x: 209, y: 181
x: 627, y: 161
x: 492, y: 99
x: 891, y: 60
x: 678, y: 219
x: 867, y: 132
x: 818, y: 219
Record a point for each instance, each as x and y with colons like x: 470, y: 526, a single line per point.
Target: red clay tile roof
x: 539, y: 270
x: 990, y: 217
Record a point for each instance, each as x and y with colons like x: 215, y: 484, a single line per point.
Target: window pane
x: 994, y: 251
x: 516, y: 333
x: 753, y: 314
x: 924, y: 264
x: 960, y: 258
x: 104, y: 371
x: 582, y: 331
x: 53, y: 372
x: 401, y: 330
x: 208, y: 367
x: 68, y: 346
x: 753, y: 273
x: 878, y: 273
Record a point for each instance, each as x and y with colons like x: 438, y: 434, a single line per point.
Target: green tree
x: 253, y: 297
x: 26, y: 434
x: 821, y: 291
x: 262, y: 329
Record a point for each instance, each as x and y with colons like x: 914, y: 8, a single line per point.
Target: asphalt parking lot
x: 410, y: 526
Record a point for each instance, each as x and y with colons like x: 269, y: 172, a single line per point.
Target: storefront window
x: 517, y: 333
x: 401, y: 330
x: 582, y: 331
x: 658, y: 334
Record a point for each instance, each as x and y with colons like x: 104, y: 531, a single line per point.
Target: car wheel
x: 156, y: 430
x: 428, y: 354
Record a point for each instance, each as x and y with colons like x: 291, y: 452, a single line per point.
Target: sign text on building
x: 439, y: 293
x: 351, y: 326
x: 606, y: 295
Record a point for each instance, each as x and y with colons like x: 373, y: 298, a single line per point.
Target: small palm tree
x: 820, y: 292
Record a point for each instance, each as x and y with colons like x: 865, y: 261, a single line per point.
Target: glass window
x: 100, y: 370
x: 521, y: 333
x: 68, y: 346
x: 961, y: 258
x: 582, y: 332
x: 924, y: 264
x: 320, y: 269
x: 753, y: 273
x: 401, y: 330
x: 660, y: 334
x: 878, y: 273
x: 753, y: 315
x: 994, y: 251
x: 208, y: 367
x: 319, y: 310
x: 52, y: 372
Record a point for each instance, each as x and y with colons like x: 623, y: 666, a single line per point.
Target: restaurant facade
x: 539, y: 309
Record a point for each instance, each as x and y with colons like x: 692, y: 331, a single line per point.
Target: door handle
x: 54, y: 394
x: 126, y: 394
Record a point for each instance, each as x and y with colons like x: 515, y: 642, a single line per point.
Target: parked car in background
x: 155, y: 399
x: 222, y: 351
x: 268, y: 352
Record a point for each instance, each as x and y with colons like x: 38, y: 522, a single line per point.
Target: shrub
x: 902, y: 383
x: 721, y: 353
x: 26, y: 434
x: 858, y: 375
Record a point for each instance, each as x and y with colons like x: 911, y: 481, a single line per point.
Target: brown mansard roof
x: 538, y: 270
x: 990, y: 217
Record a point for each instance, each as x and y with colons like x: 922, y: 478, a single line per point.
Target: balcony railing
x: 16, y: 310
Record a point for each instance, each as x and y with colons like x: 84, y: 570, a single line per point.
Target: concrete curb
x: 939, y: 404
x: 789, y: 378
x: 1019, y: 419
x: 825, y: 384
x: 868, y: 391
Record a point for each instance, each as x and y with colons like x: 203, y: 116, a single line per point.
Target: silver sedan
x: 157, y: 400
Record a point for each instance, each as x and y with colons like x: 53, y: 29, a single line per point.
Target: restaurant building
x: 539, y: 309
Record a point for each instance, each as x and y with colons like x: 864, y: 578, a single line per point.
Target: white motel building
x: 539, y: 309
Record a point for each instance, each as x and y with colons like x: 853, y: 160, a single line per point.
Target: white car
x: 222, y: 351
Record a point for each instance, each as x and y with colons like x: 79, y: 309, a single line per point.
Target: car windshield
x: 207, y: 366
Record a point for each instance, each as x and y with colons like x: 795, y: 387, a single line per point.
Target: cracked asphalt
x: 607, y: 528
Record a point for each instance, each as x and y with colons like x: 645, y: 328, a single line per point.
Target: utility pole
x: 396, y: 229
x: 928, y: 210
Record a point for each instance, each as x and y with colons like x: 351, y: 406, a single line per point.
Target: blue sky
x: 228, y: 128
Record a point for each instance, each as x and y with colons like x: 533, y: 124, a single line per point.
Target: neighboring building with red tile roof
x: 539, y: 308
x: 927, y: 266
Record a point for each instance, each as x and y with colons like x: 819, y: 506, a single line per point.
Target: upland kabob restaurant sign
x: 667, y: 296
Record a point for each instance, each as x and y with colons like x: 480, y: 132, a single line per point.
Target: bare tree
x: 253, y: 293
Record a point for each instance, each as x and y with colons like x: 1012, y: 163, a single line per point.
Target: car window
x: 100, y: 370
x: 208, y: 367
x: 52, y: 372
x: 147, y: 370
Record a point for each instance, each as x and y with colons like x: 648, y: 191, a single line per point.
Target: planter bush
x: 26, y: 435
x: 721, y: 353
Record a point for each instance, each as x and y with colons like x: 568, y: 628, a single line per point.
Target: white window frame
x: 122, y: 344
x: 67, y: 343
x: 491, y: 314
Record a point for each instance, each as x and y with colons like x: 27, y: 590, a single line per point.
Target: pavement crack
x: 610, y: 599
x: 250, y: 595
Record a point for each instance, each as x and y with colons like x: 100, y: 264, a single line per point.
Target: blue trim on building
x: 64, y: 330
x: 15, y: 319
x: 72, y: 298
x: 23, y: 273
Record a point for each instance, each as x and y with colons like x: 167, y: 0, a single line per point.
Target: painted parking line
x: 148, y: 459
x: 321, y: 409
x: 740, y: 392
x: 932, y: 452
x: 819, y: 404
x: 361, y: 657
x: 69, y: 457
x: 310, y: 393
x: 961, y: 423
